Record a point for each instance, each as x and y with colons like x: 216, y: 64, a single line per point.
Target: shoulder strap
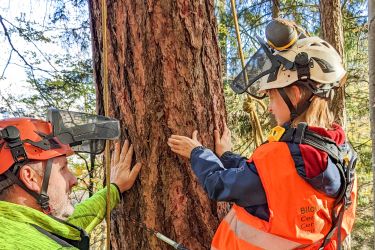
x: 60, y: 241
x: 302, y: 135
x: 84, y: 243
x: 336, y: 227
x: 346, y: 167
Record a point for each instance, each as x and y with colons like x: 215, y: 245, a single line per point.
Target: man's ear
x: 30, y: 178
x: 296, y: 95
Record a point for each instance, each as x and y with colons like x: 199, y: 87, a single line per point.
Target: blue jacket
x: 232, y: 178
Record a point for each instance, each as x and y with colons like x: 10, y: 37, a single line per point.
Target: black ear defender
x: 281, y: 34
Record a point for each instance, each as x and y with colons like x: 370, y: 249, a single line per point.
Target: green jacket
x: 21, y: 227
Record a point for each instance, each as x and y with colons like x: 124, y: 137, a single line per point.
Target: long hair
x: 318, y: 114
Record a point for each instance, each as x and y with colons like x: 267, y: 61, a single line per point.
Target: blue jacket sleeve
x: 231, y: 160
x: 238, y: 183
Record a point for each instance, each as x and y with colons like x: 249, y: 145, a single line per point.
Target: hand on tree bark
x: 121, y: 172
x: 183, y: 145
x: 223, y: 143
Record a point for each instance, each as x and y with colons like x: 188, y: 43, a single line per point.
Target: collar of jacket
x: 29, y: 215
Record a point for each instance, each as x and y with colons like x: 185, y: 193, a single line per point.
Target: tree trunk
x: 222, y: 17
x: 275, y: 8
x: 164, y: 78
x: 332, y: 32
x: 371, y: 56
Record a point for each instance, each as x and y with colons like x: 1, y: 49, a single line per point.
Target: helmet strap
x: 292, y: 109
x: 295, y: 112
x: 12, y: 176
x: 42, y: 198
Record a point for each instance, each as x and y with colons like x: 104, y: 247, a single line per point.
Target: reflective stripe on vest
x: 257, y: 237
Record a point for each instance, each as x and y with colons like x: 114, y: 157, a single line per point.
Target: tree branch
x: 6, y: 65
x: 6, y: 33
x: 9, y: 105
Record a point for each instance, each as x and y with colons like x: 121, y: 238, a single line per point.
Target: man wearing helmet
x: 35, y: 181
x: 298, y: 189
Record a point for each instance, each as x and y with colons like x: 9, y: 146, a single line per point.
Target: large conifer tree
x: 164, y: 78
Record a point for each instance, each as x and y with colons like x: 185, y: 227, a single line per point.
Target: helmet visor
x: 260, y: 64
x: 83, y: 132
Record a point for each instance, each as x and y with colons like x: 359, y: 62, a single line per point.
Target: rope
x: 249, y: 102
x: 106, y: 113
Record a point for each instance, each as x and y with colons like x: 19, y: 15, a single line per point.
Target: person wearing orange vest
x: 298, y: 189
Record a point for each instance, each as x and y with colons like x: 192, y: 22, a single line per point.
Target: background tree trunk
x: 332, y: 32
x: 275, y: 8
x: 222, y: 17
x: 371, y: 55
x: 164, y: 76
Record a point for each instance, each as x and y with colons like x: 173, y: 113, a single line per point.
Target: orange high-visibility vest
x: 300, y: 216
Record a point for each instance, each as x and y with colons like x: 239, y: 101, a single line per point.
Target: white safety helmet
x: 309, y: 58
x: 325, y: 65
x: 291, y: 57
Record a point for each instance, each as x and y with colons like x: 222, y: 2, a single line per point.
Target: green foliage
x: 240, y: 123
x: 70, y: 89
x: 27, y: 31
x: 58, y: 78
x: 358, y: 130
x: 72, y: 12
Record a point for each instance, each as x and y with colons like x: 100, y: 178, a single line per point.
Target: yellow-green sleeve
x: 89, y: 213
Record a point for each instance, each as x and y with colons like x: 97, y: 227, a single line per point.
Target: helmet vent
x: 326, y: 44
x: 315, y: 44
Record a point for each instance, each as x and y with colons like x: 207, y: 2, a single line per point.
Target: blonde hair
x: 318, y: 114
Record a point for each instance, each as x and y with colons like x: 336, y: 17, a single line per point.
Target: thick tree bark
x: 164, y: 77
x: 371, y: 56
x: 332, y: 32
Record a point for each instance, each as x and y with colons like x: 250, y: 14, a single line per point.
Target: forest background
x: 46, y: 61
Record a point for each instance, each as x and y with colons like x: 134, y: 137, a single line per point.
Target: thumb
x: 226, y: 131
x: 216, y: 136
x: 195, y: 135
